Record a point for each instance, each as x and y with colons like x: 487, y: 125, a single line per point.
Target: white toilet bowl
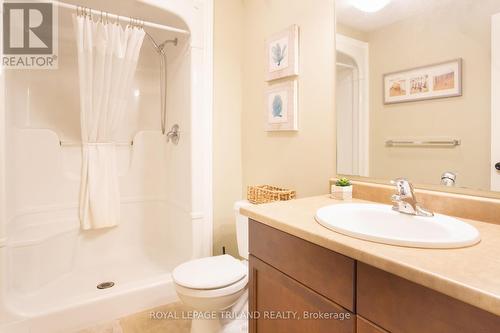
x: 210, y: 285
x: 213, y: 284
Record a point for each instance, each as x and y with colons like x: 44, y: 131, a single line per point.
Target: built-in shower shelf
x: 40, y: 253
x: 35, y: 234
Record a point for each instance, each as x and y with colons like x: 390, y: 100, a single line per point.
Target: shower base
x: 74, y: 302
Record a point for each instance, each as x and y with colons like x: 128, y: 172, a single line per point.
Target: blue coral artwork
x: 282, y: 52
x: 278, y: 54
x: 277, y: 107
x: 281, y: 106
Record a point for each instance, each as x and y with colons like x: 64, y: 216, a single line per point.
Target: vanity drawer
x: 324, y: 271
x: 286, y: 306
x: 399, y: 305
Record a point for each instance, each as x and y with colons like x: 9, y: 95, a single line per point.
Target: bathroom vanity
x: 306, y: 278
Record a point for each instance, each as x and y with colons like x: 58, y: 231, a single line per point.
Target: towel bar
x: 76, y: 144
x: 441, y: 143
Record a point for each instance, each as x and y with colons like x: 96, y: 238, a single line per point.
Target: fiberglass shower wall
x: 49, y: 261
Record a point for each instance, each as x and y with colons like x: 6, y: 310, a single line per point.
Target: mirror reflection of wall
x: 402, y: 35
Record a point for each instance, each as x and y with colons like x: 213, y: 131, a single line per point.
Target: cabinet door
x: 279, y: 304
x: 322, y: 270
x: 364, y: 326
x: 401, y: 306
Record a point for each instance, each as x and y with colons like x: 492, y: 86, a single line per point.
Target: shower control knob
x: 497, y: 166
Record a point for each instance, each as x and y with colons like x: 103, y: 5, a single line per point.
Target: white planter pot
x: 342, y: 192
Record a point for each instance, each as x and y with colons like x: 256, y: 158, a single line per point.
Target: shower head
x: 173, y: 41
x: 160, y: 47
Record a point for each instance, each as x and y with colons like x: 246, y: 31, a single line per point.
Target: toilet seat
x: 210, y: 273
x: 212, y: 293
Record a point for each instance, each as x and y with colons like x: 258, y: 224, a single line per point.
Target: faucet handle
x: 398, y: 181
x: 403, y: 186
x: 404, y: 200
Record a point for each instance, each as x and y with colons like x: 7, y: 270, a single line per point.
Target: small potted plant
x: 342, y: 189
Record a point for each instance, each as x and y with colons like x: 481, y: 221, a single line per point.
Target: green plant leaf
x: 343, y: 182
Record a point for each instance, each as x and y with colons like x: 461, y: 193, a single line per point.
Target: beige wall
x: 302, y: 160
x: 351, y: 32
x: 227, y: 169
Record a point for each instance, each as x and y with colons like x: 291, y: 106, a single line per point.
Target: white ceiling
x: 395, y: 11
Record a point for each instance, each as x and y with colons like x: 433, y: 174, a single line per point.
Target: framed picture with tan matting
x: 281, y: 107
x: 282, y: 54
x: 440, y: 80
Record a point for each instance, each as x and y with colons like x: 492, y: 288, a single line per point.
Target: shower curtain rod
x: 118, y: 17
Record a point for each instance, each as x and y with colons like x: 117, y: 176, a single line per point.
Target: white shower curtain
x: 107, y: 60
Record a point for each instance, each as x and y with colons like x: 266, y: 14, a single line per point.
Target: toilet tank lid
x: 240, y: 204
x: 210, y: 272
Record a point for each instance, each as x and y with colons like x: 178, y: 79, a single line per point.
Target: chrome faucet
x: 405, y: 201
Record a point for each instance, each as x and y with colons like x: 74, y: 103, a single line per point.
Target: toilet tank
x: 241, y: 228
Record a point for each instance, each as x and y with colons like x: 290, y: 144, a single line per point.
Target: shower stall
x: 50, y: 269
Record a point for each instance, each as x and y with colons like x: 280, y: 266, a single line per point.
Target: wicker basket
x: 266, y: 193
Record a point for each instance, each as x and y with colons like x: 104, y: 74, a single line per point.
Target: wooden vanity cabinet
x: 290, y: 277
x: 399, y: 305
x: 327, y: 273
x: 290, y: 274
x: 365, y: 326
x: 282, y: 302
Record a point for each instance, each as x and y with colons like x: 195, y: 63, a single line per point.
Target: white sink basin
x: 379, y: 223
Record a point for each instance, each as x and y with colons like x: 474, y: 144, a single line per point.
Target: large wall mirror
x: 418, y: 91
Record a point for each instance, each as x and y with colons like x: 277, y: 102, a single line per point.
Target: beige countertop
x: 470, y: 274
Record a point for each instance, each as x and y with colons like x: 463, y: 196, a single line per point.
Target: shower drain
x: 105, y: 285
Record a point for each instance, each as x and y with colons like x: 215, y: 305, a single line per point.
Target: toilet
x: 212, y: 284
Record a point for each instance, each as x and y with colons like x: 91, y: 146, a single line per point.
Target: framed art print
x: 428, y: 82
x: 281, y: 107
x: 282, y: 54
